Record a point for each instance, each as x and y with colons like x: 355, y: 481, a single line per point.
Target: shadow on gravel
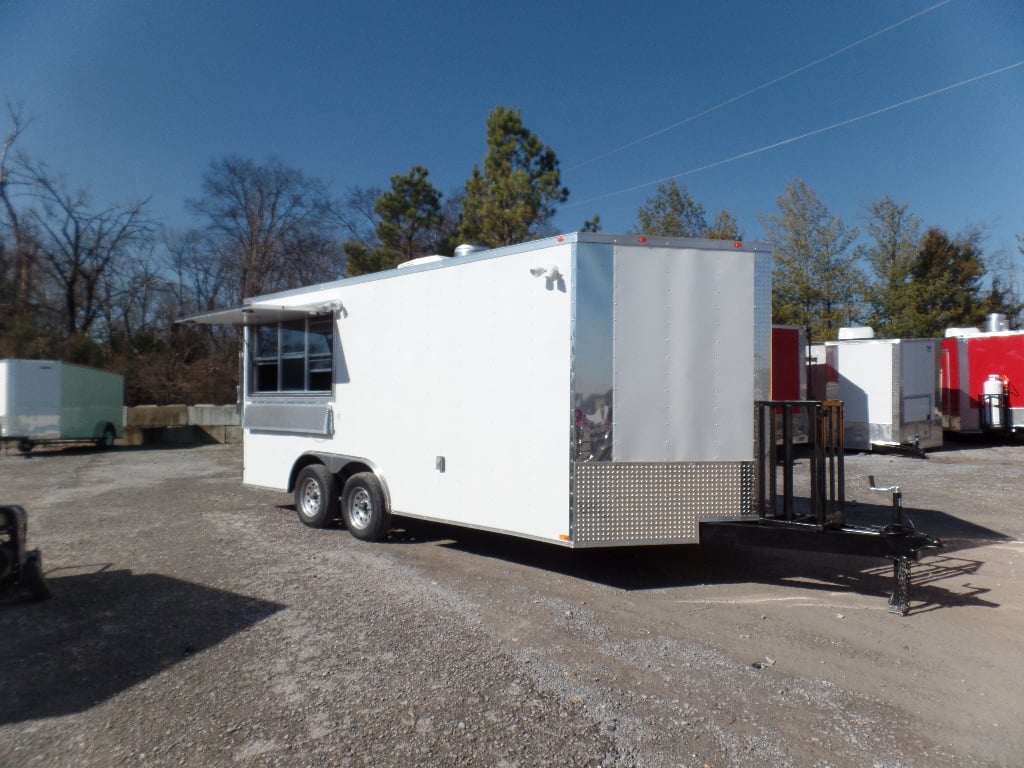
x: 955, y: 441
x: 57, y: 450
x: 664, y: 567
x: 105, y: 631
x: 674, y: 566
x: 404, y: 532
x: 954, y: 532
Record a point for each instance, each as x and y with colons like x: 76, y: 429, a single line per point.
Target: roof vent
x: 467, y: 248
x: 995, y: 323
x: 860, y: 332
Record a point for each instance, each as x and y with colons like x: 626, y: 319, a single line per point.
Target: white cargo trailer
x: 890, y: 390
x: 51, y: 401
x: 587, y: 390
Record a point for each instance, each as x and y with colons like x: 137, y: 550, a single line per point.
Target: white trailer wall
x: 486, y: 391
x: 468, y: 364
x: 31, y: 402
x: 889, y: 389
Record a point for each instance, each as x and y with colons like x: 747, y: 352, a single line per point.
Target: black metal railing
x: 777, y: 497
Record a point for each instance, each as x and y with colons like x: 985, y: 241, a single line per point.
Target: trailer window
x: 321, y: 353
x: 293, y: 356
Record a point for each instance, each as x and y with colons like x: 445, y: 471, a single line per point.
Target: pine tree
x: 816, y: 283
x: 514, y: 197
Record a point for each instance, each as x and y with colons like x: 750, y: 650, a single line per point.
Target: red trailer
x: 789, y: 374
x: 982, y: 380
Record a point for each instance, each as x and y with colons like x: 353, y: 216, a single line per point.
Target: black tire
x: 316, y: 496
x: 363, y: 509
x: 106, y: 441
x: 25, y: 445
x: 32, y: 577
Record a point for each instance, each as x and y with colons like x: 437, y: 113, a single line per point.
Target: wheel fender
x: 340, y: 464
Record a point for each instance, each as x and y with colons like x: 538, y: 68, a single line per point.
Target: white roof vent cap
x: 467, y: 248
x: 859, y: 332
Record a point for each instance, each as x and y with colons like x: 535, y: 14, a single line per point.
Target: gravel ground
x: 196, y: 622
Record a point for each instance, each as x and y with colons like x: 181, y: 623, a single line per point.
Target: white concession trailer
x: 586, y: 390
x: 51, y: 401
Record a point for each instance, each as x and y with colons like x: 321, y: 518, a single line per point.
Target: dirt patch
x: 197, y: 622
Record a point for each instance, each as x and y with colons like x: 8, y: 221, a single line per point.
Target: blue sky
x: 134, y: 99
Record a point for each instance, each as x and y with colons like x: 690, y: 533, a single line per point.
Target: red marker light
x: 560, y: 238
x: 737, y: 244
x: 641, y: 239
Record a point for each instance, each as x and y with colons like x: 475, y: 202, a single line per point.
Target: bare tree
x: 78, y: 248
x: 268, y: 226
x: 358, y: 216
x: 137, y: 302
x: 16, y: 275
x: 199, y: 279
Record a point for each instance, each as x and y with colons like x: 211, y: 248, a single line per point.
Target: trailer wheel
x: 32, y: 577
x: 316, y: 496
x: 25, y: 445
x: 363, y: 508
x: 107, y: 440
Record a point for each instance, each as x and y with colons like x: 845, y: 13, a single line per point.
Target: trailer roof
x: 265, y: 309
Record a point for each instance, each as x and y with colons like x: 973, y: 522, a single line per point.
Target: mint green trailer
x: 50, y: 401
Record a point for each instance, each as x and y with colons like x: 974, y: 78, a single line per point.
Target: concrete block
x: 211, y: 415
x: 148, y: 416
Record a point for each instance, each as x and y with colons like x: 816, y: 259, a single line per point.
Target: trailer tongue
x: 817, y: 523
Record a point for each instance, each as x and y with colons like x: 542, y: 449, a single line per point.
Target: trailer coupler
x: 900, y: 543
x: 819, y: 525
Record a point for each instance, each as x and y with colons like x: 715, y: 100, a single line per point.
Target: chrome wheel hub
x: 311, y: 499
x: 360, y: 508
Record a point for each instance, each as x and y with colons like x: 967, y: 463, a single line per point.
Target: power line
x: 807, y: 135
x: 761, y: 87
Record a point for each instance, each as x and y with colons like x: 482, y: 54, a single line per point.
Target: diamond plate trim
x: 657, y: 503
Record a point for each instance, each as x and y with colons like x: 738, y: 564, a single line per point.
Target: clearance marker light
x: 560, y: 238
x: 564, y: 537
x: 641, y: 239
x: 737, y: 244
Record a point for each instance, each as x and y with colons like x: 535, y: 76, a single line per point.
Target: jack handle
x: 890, y: 489
x: 897, y: 499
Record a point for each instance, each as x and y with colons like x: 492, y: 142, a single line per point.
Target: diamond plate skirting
x: 657, y: 503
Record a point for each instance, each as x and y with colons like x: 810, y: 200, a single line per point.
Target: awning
x: 257, y: 314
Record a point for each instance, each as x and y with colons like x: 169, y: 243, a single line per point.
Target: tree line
x: 906, y: 281
x: 103, y: 285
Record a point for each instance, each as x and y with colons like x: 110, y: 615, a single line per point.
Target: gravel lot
x: 196, y: 622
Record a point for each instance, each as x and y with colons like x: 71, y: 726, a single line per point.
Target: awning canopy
x: 256, y: 314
